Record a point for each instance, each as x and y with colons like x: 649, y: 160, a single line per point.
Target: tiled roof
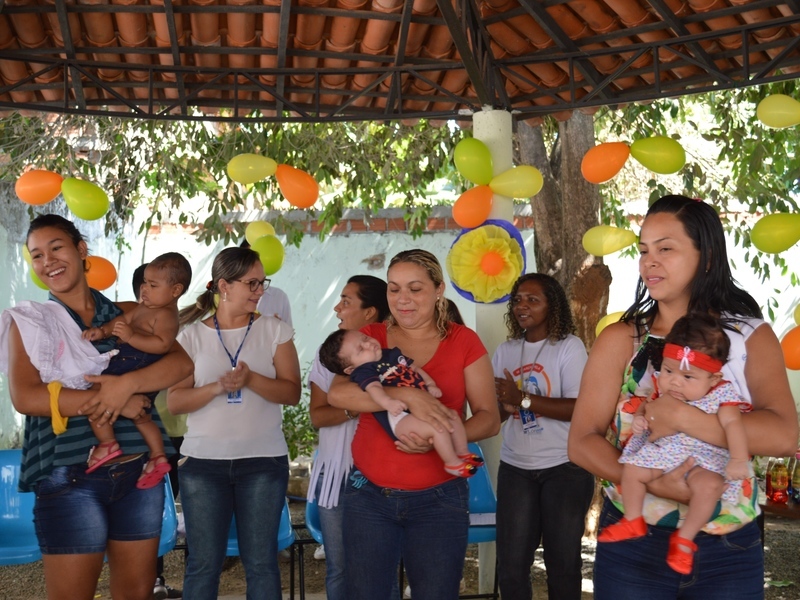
x: 319, y: 60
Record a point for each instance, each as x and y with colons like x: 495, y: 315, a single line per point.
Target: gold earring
x: 224, y: 296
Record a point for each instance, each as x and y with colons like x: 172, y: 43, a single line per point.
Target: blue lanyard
x: 234, y: 359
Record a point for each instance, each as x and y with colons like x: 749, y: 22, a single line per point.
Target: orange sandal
x: 681, y: 554
x: 624, y: 530
x: 159, y: 466
x: 95, y: 463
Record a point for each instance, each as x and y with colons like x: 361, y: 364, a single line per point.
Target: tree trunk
x: 565, y: 208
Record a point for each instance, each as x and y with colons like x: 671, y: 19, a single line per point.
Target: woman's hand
x: 237, y: 378
x: 105, y: 406
x: 414, y: 444
x: 663, y: 416
x: 672, y: 485
x: 427, y: 408
x: 136, y: 407
x: 507, y: 390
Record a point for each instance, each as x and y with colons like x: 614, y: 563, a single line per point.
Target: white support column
x: 493, y: 128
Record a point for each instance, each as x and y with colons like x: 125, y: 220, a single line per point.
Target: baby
x: 146, y: 331
x: 361, y: 357
x: 691, y: 370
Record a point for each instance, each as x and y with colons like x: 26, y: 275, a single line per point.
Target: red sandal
x: 465, y: 469
x: 623, y: 530
x: 95, y: 463
x: 154, y: 476
x: 472, y: 459
x: 680, y: 556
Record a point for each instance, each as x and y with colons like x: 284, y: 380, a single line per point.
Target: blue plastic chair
x: 312, y: 521
x: 169, y: 521
x: 285, y: 533
x: 18, y: 543
x: 481, y: 501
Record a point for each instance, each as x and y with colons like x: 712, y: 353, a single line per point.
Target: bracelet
x: 59, y: 423
x: 350, y: 415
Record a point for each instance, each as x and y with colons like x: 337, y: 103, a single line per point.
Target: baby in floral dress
x: 694, y: 353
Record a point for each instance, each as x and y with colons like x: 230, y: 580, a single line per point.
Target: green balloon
x: 474, y: 161
x: 35, y: 279
x: 660, y: 154
x: 776, y: 233
x: 270, y: 250
x: 86, y: 200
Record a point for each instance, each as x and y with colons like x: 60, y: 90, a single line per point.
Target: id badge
x: 235, y: 397
x: 529, y: 422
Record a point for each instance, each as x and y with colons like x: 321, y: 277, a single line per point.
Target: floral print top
x: 637, y: 387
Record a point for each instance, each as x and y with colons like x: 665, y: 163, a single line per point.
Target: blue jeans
x: 212, y: 491
x: 331, y: 522
x: 547, y: 507
x: 725, y: 566
x: 427, y: 528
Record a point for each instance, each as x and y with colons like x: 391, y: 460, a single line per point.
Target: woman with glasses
x: 235, y: 456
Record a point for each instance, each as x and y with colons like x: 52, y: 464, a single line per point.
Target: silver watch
x: 526, y: 401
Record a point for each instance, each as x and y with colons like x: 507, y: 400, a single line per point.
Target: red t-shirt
x: 374, y: 452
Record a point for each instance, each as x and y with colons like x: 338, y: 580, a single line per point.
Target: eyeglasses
x: 256, y: 283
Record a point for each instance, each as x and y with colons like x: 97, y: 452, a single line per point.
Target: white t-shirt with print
x: 556, y: 374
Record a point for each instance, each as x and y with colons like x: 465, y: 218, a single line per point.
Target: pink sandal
x: 95, y: 463
x: 154, y: 476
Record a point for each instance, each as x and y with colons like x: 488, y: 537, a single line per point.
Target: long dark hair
x: 372, y: 293
x: 57, y: 222
x: 714, y: 290
x: 559, y: 314
x: 229, y: 264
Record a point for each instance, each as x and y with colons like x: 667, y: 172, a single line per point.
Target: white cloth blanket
x: 53, y: 342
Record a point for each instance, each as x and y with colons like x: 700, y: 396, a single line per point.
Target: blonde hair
x: 426, y: 260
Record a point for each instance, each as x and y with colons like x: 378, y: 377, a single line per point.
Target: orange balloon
x: 604, y: 161
x: 298, y: 187
x: 38, y: 186
x: 791, y: 349
x: 101, y: 274
x: 473, y: 206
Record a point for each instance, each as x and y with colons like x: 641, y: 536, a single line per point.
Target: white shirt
x: 220, y: 430
x: 275, y: 303
x: 556, y: 374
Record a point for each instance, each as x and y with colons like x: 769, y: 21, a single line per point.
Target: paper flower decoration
x: 483, y: 263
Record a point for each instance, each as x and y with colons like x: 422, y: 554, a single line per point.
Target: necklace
x: 522, y: 360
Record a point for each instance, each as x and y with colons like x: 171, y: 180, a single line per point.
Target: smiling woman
x: 82, y: 516
x: 542, y: 497
x: 401, y: 497
x: 235, y: 456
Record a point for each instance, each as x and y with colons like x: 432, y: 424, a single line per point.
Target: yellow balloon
x: 776, y: 233
x: 26, y: 254
x: 607, y: 320
x: 605, y: 239
x: 518, y: 182
x: 474, y: 161
x: 778, y: 111
x: 257, y: 229
x: 797, y: 314
x: 249, y: 168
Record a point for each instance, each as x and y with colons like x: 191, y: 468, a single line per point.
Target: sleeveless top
x: 637, y: 387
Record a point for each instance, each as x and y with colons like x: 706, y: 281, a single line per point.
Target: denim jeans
x: 725, y: 566
x: 331, y: 522
x: 427, y: 528
x: 547, y: 507
x: 212, y: 491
